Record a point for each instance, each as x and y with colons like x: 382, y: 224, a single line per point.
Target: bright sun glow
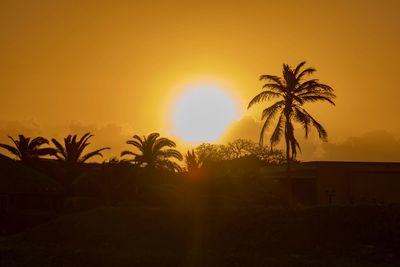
x: 202, y: 113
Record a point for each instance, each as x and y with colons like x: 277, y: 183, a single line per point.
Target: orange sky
x: 114, y: 66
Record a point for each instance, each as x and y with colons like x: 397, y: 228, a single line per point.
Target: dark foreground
x: 337, y: 236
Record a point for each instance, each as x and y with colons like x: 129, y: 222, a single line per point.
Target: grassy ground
x: 251, y: 236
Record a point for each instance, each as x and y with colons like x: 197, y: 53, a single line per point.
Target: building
x: 339, y: 183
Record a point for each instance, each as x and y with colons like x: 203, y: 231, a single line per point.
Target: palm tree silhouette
x: 292, y: 91
x: 154, y: 152
x: 26, y: 149
x: 72, y: 151
x: 192, y: 161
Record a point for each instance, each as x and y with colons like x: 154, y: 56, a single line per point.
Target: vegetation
x: 193, y: 164
x: 239, y: 148
x: 27, y: 150
x: 72, y: 150
x: 155, y: 152
x: 293, y: 91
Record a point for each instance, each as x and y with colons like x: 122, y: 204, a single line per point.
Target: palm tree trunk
x: 288, y: 169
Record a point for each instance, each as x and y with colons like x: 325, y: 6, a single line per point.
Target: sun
x: 202, y: 113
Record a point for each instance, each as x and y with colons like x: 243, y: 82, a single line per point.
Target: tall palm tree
x: 154, y: 152
x: 26, y: 149
x: 72, y: 151
x: 292, y: 90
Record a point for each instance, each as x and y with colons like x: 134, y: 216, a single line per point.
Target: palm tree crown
x: 292, y: 91
x: 72, y: 151
x: 26, y: 149
x: 192, y: 161
x: 154, y: 152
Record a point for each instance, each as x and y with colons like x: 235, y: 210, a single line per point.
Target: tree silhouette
x: 193, y: 163
x: 292, y: 91
x: 26, y: 149
x: 154, y: 152
x: 240, y: 148
x: 72, y: 151
x: 211, y: 153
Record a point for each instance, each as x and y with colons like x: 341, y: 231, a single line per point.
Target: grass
x: 206, y: 236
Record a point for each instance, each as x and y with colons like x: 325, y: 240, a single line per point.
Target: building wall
x: 357, y: 183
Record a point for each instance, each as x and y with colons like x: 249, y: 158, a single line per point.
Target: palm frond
x: 163, y: 142
x: 139, y: 139
x: 151, y: 138
x: 305, y: 72
x: 272, y: 110
x: 313, y: 86
x: 309, y: 84
x: 272, y: 78
x: 80, y: 146
x: 316, y: 91
x: 36, y: 142
x: 14, y: 141
x: 11, y: 149
x: 265, y: 95
x: 23, y: 143
x: 294, y: 146
x: 128, y: 153
x: 303, y: 119
x: 59, y: 147
x: 277, y: 133
x: 78, y: 149
x: 92, y: 154
x: 192, y: 162
x: 171, y: 153
x: 274, y: 87
x: 322, y: 133
x: 84, y: 139
x: 67, y: 146
x: 135, y: 143
x: 315, y: 98
x: 297, y: 69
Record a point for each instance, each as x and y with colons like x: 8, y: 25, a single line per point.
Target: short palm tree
x: 192, y: 161
x: 155, y: 152
x: 26, y: 149
x: 72, y: 151
x: 292, y: 90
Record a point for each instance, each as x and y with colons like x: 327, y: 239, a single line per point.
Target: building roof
x: 309, y: 169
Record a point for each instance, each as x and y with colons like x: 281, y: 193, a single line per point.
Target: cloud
x: 246, y: 128
x: 14, y: 128
x: 378, y: 145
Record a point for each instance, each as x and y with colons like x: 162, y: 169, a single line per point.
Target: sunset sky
x: 116, y: 68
